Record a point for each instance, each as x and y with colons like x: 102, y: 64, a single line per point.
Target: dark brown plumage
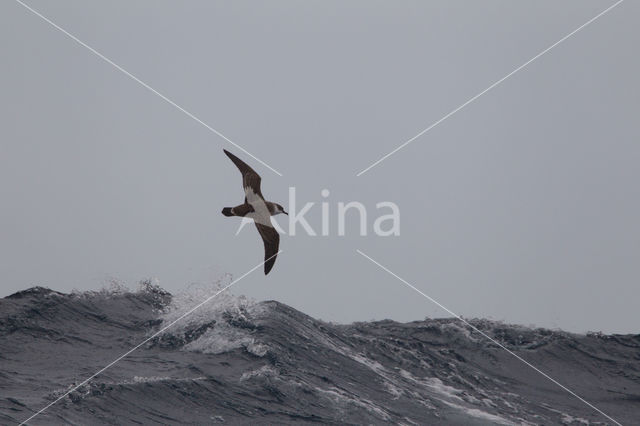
x: 258, y: 209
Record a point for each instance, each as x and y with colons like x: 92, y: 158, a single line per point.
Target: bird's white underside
x: 261, y: 213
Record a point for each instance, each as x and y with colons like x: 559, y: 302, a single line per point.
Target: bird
x: 256, y: 208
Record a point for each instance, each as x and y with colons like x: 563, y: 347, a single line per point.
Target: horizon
x: 118, y: 288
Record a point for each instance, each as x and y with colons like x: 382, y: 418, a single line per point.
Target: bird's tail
x: 227, y: 211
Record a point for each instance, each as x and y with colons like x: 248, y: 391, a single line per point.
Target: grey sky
x: 523, y: 207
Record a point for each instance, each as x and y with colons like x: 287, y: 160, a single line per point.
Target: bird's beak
x: 285, y: 212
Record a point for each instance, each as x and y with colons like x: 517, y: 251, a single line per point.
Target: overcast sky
x: 522, y: 207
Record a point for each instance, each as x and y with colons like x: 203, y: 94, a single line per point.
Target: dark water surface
x: 238, y: 362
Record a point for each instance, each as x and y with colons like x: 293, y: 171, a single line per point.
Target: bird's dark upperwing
x: 250, y: 179
x: 271, y: 240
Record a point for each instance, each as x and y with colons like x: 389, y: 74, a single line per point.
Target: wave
x: 239, y: 361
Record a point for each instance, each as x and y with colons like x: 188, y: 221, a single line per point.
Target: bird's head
x: 280, y: 209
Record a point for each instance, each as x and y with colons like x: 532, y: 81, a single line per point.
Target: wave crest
x: 223, y: 324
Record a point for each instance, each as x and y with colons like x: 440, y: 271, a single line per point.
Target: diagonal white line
x: 487, y: 336
x: 145, y: 85
x: 157, y: 333
x: 490, y: 87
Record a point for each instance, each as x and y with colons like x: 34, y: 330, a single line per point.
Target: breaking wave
x: 219, y: 326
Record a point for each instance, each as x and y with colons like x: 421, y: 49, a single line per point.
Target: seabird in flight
x: 256, y: 208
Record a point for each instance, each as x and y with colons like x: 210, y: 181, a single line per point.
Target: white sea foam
x: 479, y: 414
x: 569, y: 420
x: 264, y: 371
x: 156, y: 379
x: 224, y: 316
x: 340, y: 396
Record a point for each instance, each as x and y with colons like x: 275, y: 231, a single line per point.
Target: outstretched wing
x: 271, y: 240
x: 250, y: 179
